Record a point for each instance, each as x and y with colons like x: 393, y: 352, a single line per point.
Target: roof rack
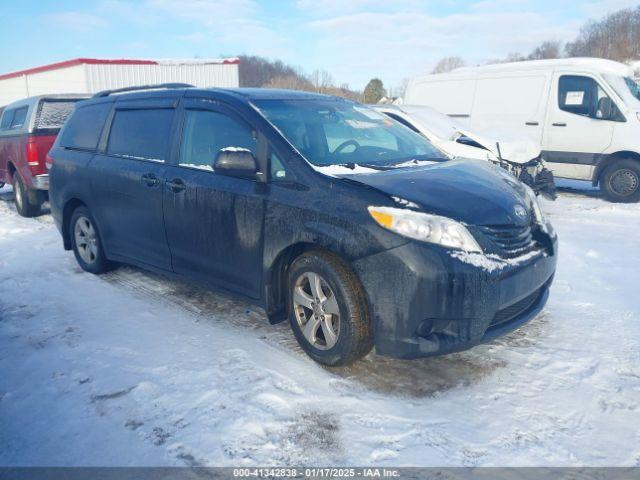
x: 106, y: 93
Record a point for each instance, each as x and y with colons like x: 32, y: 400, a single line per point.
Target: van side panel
x: 514, y: 102
x: 453, y: 96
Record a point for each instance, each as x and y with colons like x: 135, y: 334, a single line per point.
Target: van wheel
x: 328, y: 310
x: 24, y: 205
x: 621, y: 181
x: 86, y: 244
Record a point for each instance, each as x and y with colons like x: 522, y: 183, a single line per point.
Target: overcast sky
x: 353, y: 39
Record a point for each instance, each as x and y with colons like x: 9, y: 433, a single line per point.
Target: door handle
x: 150, y: 180
x: 559, y: 124
x: 532, y: 124
x: 176, y: 185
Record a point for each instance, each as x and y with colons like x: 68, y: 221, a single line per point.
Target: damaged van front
x: 479, y: 263
x: 465, y: 253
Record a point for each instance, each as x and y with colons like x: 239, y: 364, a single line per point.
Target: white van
x: 583, y: 112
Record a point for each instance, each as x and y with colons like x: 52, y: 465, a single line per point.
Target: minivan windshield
x: 329, y: 132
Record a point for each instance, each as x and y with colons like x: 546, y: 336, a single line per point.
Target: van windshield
x: 627, y: 88
x: 336, y: 132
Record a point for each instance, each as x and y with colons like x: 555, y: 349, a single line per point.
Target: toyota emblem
x: 520, y: 211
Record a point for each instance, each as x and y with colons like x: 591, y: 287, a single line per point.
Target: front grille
x: 512, y: 311
x: 510, y: 240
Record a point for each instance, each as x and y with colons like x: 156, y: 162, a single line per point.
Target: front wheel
x: 328, y: 310
x: 86, y: 244
x: 621, y: 181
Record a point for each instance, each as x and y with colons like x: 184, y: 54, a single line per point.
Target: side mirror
x: 236, y: 162
x: 606, y: 109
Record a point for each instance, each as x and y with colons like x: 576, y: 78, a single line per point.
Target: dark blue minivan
x: 324, y: 212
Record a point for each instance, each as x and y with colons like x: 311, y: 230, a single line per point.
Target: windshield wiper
x: 353, y: 166
x: 416, y: 161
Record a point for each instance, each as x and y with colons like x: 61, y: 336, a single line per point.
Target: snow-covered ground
x: 133, y: 369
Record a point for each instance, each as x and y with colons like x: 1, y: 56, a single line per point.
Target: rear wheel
x: 328, y: 310
x: 27, y: 202
x: 621, y: 181
x: 86, y: 244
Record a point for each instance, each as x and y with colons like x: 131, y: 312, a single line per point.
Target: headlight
x: 537, y: 211
x: 426, y: 228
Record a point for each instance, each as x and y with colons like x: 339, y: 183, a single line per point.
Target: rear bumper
x: 41, y: 182
x: 425, y: 302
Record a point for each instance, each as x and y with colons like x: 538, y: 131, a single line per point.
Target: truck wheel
x: 621, y: 181
x: 328, y: 310
x: 24, y: 204
x: 86, y: 244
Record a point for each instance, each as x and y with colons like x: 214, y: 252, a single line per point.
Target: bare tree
x: 291, y: 82
x: 321, y: 80
x: 546, y: 50
x: 447, y: 64
x: 616, y: 37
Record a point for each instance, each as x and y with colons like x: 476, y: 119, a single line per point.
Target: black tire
x: 620, y: 181
x: 1, y: 184
x: 97, y: 263
x: 354, y: 332
x: 28, y: 202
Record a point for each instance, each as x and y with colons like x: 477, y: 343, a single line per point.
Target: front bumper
x: 41, y: 182
x: 424, y: 301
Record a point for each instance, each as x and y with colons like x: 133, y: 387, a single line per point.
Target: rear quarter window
x: 82, y: 131
x: 141, y: 133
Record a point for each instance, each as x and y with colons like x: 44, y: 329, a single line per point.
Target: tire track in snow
x: 416, y: 378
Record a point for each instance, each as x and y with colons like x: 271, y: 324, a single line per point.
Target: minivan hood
x: 470, y: 191
x: 512, y: 148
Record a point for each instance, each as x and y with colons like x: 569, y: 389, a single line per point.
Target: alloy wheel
x: 86, y: 240
x: 316, y: 309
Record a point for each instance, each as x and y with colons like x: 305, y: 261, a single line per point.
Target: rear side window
x: 14, y: 118
x: 52, y: 114
x: 82, y: 131
x: 7, y: 116
x: 141, y: 134
x: 19, y: 117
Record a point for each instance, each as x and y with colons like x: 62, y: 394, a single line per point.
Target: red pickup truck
x: 28, y: 129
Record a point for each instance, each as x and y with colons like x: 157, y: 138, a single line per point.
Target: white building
x: 90, y: 75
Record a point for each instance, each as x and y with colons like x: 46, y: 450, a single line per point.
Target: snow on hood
x: 338, y: 170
